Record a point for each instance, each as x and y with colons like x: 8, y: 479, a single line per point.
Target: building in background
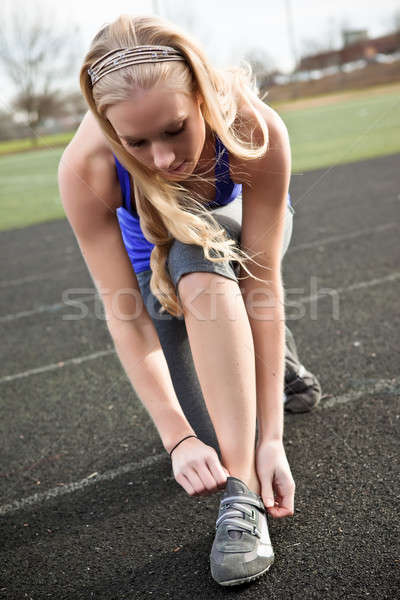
x: 357, y: 46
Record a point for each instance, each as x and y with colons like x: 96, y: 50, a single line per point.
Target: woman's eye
x: 172, y: 133
x: 176, y: 132
x: 134, y: 144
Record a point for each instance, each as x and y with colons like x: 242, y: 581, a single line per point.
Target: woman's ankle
x: 254, y: 486
x: 252, y: 482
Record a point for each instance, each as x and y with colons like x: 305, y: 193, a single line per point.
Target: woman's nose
x: 163, y: 157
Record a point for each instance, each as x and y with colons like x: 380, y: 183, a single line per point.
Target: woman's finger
x: 185, y: 483
x: 212, y: 474
x: 277, y: 512
x: 288, y: 501
x: 206, y: 479
x: 196, y: 483
x: 285, y: 495
x: 218, y: 472
x: 281, y: 508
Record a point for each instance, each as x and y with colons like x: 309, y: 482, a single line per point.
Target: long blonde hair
x: 167, y: 211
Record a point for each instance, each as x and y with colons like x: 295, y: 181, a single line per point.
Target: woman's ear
x: 199, y: 98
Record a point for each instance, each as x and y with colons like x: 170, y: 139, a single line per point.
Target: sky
x: 228, y: 29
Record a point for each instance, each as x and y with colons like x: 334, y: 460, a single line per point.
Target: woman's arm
x: 264, y: 209
x: 90, y: 197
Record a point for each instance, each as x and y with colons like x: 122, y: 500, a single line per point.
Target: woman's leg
x: 221, y: 343
x: 302, y: 388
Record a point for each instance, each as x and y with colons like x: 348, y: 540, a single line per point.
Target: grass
x: 58, y: 139
x: 343, y: 132
x: 29, y: 191
x: 346, y: 131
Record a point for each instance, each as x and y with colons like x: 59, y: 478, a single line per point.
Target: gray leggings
x: 187, y: 258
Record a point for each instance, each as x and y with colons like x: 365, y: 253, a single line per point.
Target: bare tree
x: 9, y: 130
x: 36, y: 56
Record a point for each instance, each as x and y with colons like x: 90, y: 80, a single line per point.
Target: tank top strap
x: 224, y: 183
x: 222, y: 161
x: 123, y: 176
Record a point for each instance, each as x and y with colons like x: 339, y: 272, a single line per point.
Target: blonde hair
x: 166, y: 209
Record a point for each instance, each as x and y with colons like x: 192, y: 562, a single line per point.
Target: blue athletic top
x: 137, y: 246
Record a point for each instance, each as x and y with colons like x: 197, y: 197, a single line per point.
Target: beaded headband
x: 123, y: 57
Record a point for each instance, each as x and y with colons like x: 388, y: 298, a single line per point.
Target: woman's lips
x: 178, y: 169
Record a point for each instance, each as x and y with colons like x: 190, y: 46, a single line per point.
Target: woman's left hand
x: 277, y: 484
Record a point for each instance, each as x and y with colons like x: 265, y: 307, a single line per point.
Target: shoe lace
x: 235, y: 511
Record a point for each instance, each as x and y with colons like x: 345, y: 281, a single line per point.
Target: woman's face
x: 163, y: 129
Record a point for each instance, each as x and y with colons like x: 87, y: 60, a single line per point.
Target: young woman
x: 176, y: 187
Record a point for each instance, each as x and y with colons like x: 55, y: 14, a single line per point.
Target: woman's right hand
x: 197, y: 468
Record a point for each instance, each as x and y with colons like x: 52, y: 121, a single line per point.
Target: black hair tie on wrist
x: 185, y: 438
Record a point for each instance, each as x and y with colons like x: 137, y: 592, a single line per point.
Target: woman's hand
x: 197, y: 468
x: 277, y: 484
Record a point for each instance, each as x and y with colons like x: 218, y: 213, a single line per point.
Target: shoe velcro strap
x: 235, y: 524
x: 236, y: 510
x: 244, y: 500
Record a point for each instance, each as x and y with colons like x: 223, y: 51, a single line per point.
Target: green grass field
x: 58, y: 139
x: 322, y: 136
x: 29, y: 191
x: 344, y: 132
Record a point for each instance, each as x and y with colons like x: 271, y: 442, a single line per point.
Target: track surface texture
x: 89, y: 507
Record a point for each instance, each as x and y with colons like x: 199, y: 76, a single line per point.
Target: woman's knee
x: 195, y: 283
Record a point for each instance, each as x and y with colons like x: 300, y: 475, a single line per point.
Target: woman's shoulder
x: 89, y: 153
x: 248, y: 123
x: 245, y: 114
x: 89, y: 140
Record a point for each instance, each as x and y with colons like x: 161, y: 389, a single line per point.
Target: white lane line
x: 39, y: 276
x: 391, y: 386
x: 306, y: 246
x: 340, y: 238
x: 78, y: 360
x: 60, y: 305
x: 65, y: 254
x: 370, y: 386
x: 355, y: 286
x: 79, y: 485
x: 59, y: 365
x: 45, y: 308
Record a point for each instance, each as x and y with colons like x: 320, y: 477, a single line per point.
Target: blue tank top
x: 137, y: 246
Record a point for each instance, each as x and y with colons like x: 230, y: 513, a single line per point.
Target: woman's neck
x: 202, y: 180
x: 206, y: 163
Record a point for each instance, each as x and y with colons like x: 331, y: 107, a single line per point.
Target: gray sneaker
x: 302, y: 388
x: 242, y: 549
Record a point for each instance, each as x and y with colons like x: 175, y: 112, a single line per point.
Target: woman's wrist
x: 191, y: 435
x: 269, y: 441
x: 176, y: 439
